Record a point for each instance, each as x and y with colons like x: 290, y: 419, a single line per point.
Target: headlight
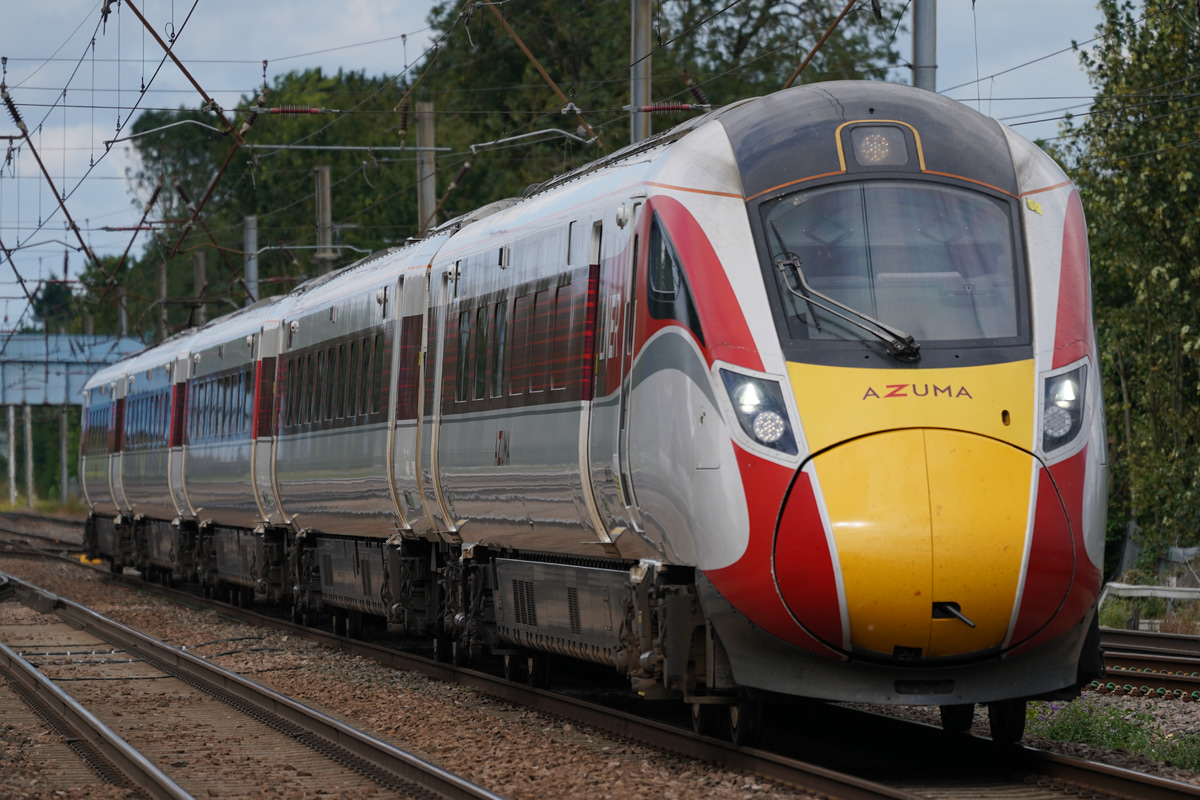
x: 760, y: 410
x: 1062, y: 407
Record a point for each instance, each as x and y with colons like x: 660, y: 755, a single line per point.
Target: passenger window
x: 364, y: 378
x: 339, y: 383
x: 310, y: 382
x: 463, y: 356
x: 481, y: 352
x: 377, y: 376
x: 543, y: 340
x: 499, y: 347
x: 352, y: 378
x: 561, y: 332
x: 519, y: 374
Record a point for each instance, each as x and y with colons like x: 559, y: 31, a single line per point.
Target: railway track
x: 826, y: 749
x: 1140, y: 663
x: 165, y: 723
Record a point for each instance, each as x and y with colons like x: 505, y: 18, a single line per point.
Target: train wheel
x: 297, y: 616
x: 537, y: 670
x: 459, y: 653
x: 514, y: 668
x: 1007, y: 720
x: 706, y: 718
x: 745, y: 719
x: 957, y: 718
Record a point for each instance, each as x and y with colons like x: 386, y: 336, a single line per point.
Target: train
x: 800, y: 397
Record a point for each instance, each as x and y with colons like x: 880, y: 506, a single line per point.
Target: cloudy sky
x: 103, y: 65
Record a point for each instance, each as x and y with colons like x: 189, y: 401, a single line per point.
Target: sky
x: 103, y: 65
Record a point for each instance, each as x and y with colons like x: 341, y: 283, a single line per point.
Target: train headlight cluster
x: 759, y: 407
x: 879, y: 146
x: 1063, y: 407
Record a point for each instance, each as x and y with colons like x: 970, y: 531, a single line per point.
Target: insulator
x: 460, y: 174
x: 696, y: 89
x: 404, y: 106
x: 294, y: 110
x: 153, y: 196
x: 16, y: 115
x: 670, y: 107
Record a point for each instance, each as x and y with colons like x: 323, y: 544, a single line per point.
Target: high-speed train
x: 800, y: 397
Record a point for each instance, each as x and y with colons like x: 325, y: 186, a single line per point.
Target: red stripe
x: 589, y: 334
x: 1073, y: 332
x: 118, y: 435
x: 1061, y: 486
x: 804, y: 565
x: 178, y: 414
x: 748, y: 584
x: 726, y: 333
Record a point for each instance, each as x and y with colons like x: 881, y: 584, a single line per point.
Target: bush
x: 1085, y: 722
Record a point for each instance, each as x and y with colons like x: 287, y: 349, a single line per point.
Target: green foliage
x: 1086, y: 722
x: 1115, y: 612
x: 483, y: 88
x: 47, y: 478
x: 184, y: 166
x: 486, y: 89
x: 1135, y: 160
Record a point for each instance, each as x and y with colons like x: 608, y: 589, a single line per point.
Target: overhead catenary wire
x: 347, y: 111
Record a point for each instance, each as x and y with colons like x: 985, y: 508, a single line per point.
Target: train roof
x: 956, y: 139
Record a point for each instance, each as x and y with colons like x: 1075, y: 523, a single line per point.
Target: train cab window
x: 668, y: 292
x: 938, y: 262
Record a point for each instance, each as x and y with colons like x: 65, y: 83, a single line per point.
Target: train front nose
x: 927, y: 533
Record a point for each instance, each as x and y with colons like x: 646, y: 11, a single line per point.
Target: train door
x: 442, y: 286
x: 615, y: 248
x: 412, y: 305
x: 580, y: 240
x: 84, y: 459
x: 117, y: 463
x: 179, y: 416
x: 266, y: 489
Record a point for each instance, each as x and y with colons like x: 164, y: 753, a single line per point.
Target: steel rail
x: 652, y: 733
x: 1040, y: 766
x: 1046, y: 766
x: 1174, y: 644
x: 209, y: 677
x: 125, y: 758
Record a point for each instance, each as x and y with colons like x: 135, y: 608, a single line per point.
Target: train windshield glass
x: 932, y: 261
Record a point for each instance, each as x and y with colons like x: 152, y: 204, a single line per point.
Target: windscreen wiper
x: 900, y: 345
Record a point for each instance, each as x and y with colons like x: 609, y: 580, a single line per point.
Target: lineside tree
x: 1136, y: 158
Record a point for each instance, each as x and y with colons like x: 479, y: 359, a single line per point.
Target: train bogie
x: 801, y: 397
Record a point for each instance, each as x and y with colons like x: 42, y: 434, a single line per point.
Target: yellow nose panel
x: 921, y: 517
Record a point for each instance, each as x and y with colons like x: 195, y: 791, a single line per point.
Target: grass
x: 1183, y: 616
x: 1085, y: 722
x: 51, y: 506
